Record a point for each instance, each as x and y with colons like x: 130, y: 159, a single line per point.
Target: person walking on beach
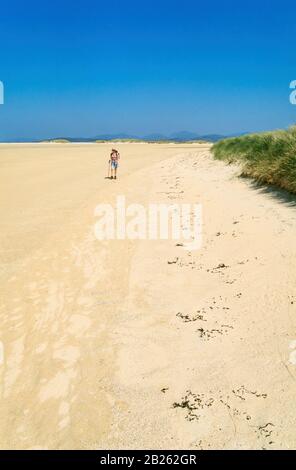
x: 114, y: 157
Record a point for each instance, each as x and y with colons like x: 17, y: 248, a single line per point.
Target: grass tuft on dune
x: 269, y: 157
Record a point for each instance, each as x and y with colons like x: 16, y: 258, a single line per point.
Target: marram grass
x: 268, y: 157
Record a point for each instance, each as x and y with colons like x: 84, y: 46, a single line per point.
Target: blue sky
x: 82, y: 68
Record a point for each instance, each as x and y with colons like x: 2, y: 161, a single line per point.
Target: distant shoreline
x: 59, y: 142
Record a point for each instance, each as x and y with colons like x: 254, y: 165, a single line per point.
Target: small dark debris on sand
x: 192, y: 402
x: 242, y: 391
x: 221, y: 266
x: 209, y: 334
x: 187, y: 318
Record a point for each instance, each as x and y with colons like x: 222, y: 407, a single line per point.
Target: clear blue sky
x: 81, y: 68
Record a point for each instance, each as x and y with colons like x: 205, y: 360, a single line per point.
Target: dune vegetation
x: 269, y: 157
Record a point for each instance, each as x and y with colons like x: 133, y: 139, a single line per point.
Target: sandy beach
x: 137, y: 344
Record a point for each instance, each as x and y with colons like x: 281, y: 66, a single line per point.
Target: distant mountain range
x: 182, y: 136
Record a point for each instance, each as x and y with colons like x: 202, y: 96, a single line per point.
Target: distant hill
x: 115, y: 136
x: 182, y: 136
x: 156, y: 137
x: 213, y: 137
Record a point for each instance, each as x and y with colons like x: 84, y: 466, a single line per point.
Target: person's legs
x: 113, y: 169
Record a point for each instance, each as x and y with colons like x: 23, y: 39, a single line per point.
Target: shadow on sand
x: 274, y: 192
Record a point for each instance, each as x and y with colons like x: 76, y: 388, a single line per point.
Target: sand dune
x: 110, y: 344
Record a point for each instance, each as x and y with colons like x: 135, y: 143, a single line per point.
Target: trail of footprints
x: 173, y: 191
x: 195, y: 404
x: 221, y: 269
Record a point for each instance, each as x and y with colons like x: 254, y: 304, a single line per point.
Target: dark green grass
x: 269, y: 157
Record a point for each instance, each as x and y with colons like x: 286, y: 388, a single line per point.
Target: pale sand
x: 105, y: 344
